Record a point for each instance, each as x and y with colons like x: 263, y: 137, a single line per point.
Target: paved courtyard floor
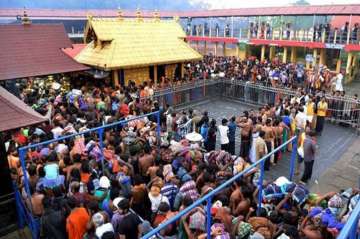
x: 337, y: 163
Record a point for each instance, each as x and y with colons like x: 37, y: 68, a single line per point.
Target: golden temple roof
x: 127, y: 43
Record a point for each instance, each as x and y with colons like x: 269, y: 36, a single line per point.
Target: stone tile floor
x: 337, y: 162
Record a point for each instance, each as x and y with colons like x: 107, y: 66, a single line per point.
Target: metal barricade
x: 255, y: 94
x: 187, y: 93
x: 25, y: 213
x: 343, y: 110
x: 350, y: 229
x: 209, y: 196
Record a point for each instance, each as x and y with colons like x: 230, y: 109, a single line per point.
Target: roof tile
x: 33, y: 50
x: 134, y: 44
x: 15, y: 113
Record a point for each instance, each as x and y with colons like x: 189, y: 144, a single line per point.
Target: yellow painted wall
x: 170, y: 71
x: 232, y: 52
x: 138, y: 75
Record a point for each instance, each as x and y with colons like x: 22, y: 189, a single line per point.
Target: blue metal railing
x: 351, y: 226
x: 208, y: 197
x: 22, y: 209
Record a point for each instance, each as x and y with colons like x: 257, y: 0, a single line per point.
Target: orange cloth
x: 76, y: 223
x: 85, y: 177
x: 115, y: 166
x: 124, y: 110
x: 143, y: 93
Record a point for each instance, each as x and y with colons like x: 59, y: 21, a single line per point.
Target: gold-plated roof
x: 131, y: 43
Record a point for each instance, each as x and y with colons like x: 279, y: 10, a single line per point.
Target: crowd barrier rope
x: 25, y: 215
x: 208, y: 197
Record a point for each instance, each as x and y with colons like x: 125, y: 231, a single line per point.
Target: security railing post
x: 260, y: 185
x: 357, y: 113
x: 353, y: 230
x: 32, y: 224
x: 101, y: 144
x: 293, y: 158
x: 158, y: 128
x: 23, y: 167
x: 208, y: 218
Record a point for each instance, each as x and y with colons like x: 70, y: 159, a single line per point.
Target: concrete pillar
x: 322, y: 60
x: 338, y: 66
x: 348, y: 63
x: 315, y: 52
x: 293, y: 55
x: 271, y: 53
x: 197, y: 45
x: 284, y: 59
x: 215, y: 50
x: 115, y: 76
x: 205, y: 46
x: 242, y: 53
x: 182, y: 72
x: 224, y: 49
x: 237, y: 50
x: 263, y: 48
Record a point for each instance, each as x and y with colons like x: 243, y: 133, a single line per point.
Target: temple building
x: 136, y: 49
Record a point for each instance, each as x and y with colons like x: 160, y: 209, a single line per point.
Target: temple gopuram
x: 136, y: 49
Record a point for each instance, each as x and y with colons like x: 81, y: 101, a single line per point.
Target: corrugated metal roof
x: 34, y: 50
x: 265, y: 11
x: 132, y: 43
x: 15, y: 113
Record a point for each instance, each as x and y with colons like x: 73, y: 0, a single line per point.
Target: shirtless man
x: 36, y: 203
x: 245, y: 123
x: 240, y: 200
x: 278, y: 128
x: 146, y: 160
x: 269, y: 139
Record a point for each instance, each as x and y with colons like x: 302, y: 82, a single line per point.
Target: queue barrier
x: 197, y: 91
x: 351, y: 228
x: 344, y: 110
x: 208, y: 197
x: 25, y: 216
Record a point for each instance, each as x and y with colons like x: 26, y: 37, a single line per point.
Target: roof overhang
x: 15, y: 113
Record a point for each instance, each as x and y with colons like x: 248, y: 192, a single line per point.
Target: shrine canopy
x: 29, y: 50
x: 15, y: 113
x: 118, y: 43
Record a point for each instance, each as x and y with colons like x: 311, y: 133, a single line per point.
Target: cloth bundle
x: 219, y: 157
x: 283, y: 186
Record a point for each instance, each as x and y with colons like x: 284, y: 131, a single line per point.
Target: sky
x: 158, y: 4
x: 215, y: 4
